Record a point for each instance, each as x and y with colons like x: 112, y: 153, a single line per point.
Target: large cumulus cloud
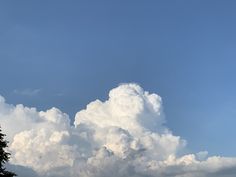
x: 124, y: 136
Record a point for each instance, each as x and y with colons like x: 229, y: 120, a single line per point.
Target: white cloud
x: 121, y: 137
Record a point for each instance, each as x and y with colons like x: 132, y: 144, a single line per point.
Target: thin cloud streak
x: 27, y: 92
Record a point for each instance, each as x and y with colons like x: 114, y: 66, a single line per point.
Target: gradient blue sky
x: 68, y: 53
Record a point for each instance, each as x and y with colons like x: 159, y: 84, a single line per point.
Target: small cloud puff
x: 121, y: 137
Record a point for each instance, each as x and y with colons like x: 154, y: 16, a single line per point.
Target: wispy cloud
x: 27, y: 92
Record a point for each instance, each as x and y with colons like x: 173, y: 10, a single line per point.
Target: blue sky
x: 66, y: 54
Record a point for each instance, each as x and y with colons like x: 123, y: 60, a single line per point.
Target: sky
x: 66, y: 54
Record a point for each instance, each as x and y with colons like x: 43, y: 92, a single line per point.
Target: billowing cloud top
x: 121, y: 137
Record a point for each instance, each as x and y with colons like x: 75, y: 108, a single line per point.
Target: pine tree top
x: 4, y: 157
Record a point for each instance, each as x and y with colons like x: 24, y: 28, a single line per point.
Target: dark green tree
x: 4, y: 157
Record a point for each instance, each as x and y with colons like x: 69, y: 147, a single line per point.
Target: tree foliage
x: 4, y: 157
